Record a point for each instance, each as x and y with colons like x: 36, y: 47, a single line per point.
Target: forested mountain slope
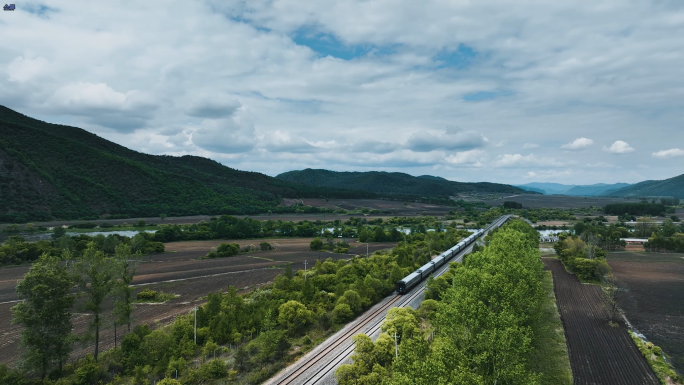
x: 392, y: 183
x: 54, y: 171
x: 673, y: 187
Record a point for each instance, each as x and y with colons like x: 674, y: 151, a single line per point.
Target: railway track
x: 318, y: 366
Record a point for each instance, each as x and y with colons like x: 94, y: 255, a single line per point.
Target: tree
x: 162, y: 216
x: 316, y: 244
x: 96, y: 277
x: 293, y: 314
x: 126, y: 267
x: 58, y: 232
x: 45, y: 314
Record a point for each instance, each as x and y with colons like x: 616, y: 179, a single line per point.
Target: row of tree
x: 49, y: 301
x: 476, y: 330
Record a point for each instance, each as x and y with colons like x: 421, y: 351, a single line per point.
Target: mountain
x: 574, y: 190
x: 547, y: 188
x: 53, y: 171
x: 673, y: 187
x: 393, y: 183
x: 595, y: 189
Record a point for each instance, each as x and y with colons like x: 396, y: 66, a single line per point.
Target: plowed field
x: 599, y: 353
x: 652, y: 296
x: 179, y: 271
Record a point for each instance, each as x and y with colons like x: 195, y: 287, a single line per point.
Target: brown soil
x: 652, y: 296
x: 557, y: 201
x: 599, y: 353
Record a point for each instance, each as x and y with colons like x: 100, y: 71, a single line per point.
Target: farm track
x: 599, y: 353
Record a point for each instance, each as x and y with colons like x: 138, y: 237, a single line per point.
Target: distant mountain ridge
x: 393, y: 183
x: 672, y: 187
x: 53, y: 171
x: 574, y: 190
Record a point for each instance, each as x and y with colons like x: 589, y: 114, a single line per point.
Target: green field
x: 550, y: 354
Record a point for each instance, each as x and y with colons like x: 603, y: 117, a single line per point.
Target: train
x: 424, y: 271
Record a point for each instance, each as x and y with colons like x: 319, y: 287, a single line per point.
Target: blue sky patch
x: 41, y: 10
x: 461, y: 58
x: 326, y: 44
x: 485, y: 95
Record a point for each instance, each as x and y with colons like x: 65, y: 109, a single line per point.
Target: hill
x: 392, y: 183
x: 672, y: 187
x: 52, y: 171
x: 574, y: 190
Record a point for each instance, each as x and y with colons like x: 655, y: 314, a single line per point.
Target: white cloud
x: 518, y: 160
x: 530, y: 146
x: 235, y: 134
x: 578, y: 144
x: 619, y: 147
x: 460, y: 140
x: 668, y: 153
x: 466, y: 157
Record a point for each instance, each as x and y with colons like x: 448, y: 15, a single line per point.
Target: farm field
x: 599, y: 353
x: 652, y: 296
x: 396, y: 207
x: 179, y: 271
x: 557, y: 201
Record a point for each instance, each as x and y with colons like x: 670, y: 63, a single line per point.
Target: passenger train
x: 424, y: 271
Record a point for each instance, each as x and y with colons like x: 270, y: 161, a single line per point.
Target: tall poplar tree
x: 96, y: 277
x: 126, y: 267
x: 45, y: 314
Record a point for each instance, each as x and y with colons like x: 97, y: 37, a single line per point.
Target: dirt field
x: 599, y: 353
x: 179, y: 271
x: 396, y: 207
x: 652, y: 296
x: 557, y: 201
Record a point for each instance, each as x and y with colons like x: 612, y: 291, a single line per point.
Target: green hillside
x: 673, y: 187
x: 54, y: 171
x: 392, y: 183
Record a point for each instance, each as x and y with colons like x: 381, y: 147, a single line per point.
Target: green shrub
x: 213, y: 369
x: 147, y: 295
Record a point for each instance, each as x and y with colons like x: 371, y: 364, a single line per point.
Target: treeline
x: 642, y: 208
x: 240, y: 337
x: 16, y: 250
x: 476, y: 330
x: 483, y: 216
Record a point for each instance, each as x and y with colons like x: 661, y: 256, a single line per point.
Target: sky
x: 572, y: 92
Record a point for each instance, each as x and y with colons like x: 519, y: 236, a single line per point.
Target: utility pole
x: 366, y: 250
x: 396, y: 347
x: 195, y: 325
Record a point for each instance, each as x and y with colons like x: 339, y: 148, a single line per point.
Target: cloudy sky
x: 503, y: 91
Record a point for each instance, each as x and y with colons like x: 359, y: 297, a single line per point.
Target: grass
x: 655, y: 357
x: 550, y: 354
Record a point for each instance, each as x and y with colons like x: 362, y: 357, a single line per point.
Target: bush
x: 147, y: 294
x: 213, y: 369
x: 342, y: 312
x: 512, y: 205
x: 265, y: 246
